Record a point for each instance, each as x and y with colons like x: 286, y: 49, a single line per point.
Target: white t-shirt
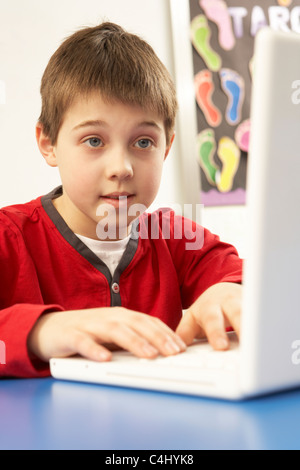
x: 110, y: 252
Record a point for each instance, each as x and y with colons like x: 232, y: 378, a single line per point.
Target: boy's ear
x: 45, y: 146
x: 169, y: 146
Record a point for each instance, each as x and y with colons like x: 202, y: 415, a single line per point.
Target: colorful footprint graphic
x: 284, y: 3
x: 200, y: 35
x: 242, y: 135
x: 204, y: 88
x: 217, y: 11
x: 206, y: 146
x: 229, y: 154
x: 234, y: 87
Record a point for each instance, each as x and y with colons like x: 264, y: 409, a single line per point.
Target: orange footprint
x: 204, y: 87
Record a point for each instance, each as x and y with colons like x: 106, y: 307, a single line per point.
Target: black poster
x: 222, y: 34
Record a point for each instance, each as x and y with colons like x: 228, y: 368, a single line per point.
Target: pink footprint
x: 242, y: 135
x: 217, y: 11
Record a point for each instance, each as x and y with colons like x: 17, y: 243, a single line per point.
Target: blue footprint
x: 234, y: 87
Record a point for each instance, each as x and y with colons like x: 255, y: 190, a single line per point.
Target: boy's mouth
x: 117, y: 199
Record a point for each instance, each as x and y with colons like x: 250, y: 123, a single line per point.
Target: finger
x: 213, y: 323
x: 86, y: 346
x: 160, y: 335
x: 126, y: 338
x: 188, y: 328
x: 232, y: 311
x: 142, y: 335
x: 139, y: 333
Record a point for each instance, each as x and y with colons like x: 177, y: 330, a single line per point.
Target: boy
x: 107, y: 122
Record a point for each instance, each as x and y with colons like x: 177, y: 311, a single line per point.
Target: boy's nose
x: 119, y: 166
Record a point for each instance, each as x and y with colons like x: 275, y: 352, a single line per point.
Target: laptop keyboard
x: 198, y: 357
x: 198, y: 369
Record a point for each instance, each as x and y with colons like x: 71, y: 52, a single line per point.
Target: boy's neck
x: 89, y: 232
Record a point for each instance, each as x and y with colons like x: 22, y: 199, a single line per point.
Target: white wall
x: 30, y: 32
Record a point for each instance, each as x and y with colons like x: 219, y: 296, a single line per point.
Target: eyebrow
x: 99, y: 123
x: 91, y: 123
x: 150, y: 124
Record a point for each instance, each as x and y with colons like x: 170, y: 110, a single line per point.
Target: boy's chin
x: 112, y: 232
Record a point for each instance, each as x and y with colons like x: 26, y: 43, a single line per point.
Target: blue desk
x: 50, y: 414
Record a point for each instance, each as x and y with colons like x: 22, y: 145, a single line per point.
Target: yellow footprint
x: 229, y: 154
x: 284, y: 3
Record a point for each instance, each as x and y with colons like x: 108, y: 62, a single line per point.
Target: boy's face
x: 110, y: 155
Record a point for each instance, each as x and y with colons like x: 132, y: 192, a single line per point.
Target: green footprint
x: 206, y: 149
x: 201, y: 34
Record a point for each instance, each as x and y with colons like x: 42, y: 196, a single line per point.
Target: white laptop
x: 267, y: 358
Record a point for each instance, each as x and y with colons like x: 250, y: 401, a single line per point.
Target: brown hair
x: 105, y: 58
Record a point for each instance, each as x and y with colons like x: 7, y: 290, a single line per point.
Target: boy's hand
x: 216, y: 309
x: 88, y: 332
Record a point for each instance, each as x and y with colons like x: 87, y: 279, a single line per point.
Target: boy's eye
x: 143, y: 143
x: 94, y: 142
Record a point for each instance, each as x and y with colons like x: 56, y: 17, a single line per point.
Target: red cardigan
x: 45, y: 268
